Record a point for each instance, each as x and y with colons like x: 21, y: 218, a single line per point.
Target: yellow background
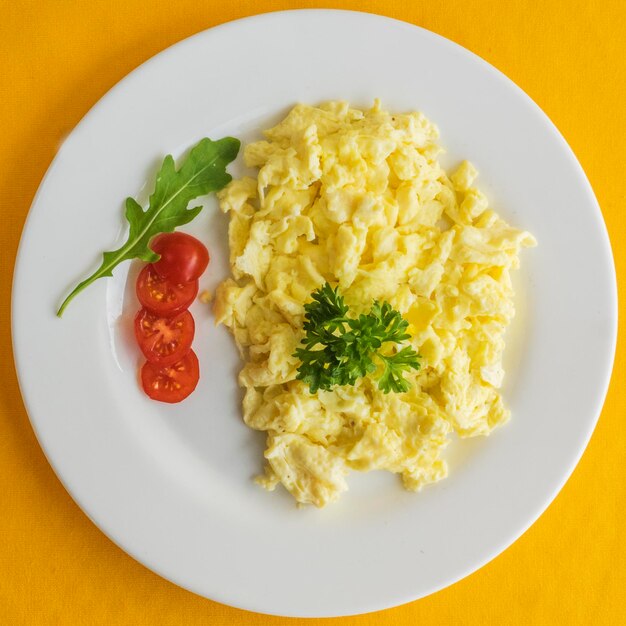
x: 57, y: 58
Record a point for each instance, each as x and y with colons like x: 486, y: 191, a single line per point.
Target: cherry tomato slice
x: 172, y: 383
x: 162, y: 296
x: 164, y: 340
x: 183, y: 257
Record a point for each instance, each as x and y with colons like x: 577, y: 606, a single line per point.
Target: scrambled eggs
x: 359, y: 199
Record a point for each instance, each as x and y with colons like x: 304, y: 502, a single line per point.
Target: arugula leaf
x: 338, y: 350
x: 203, y: 171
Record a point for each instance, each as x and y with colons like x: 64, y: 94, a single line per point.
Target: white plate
x: 172, y: 485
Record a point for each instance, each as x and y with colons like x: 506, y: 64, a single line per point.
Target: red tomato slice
x: 172, y: 383
x: 183, y: 257
x: 164, y: 340
x: 161, y: 296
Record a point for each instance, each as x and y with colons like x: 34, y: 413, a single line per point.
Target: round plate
x: 172, y: 485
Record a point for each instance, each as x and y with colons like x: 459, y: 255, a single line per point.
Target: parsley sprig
x: 338, y: 350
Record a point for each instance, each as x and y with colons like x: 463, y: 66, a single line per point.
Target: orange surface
x: 56, y: 59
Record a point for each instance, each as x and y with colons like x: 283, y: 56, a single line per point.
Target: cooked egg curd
x: 359, y: 199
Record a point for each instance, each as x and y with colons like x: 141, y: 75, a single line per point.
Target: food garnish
x: 202, y: 171
x: 162, y: 296
x: 183, y: 257
x: 171, y: 383
x: 164, y: 328
x: 338, y: 350
x: 164, y: 340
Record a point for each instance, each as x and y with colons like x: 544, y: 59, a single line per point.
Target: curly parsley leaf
x: 203, y: 171
x: 392, y: 379
x: 338, y: 350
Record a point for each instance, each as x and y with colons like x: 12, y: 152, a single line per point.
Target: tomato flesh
x: 162, y: 296
x: 164, y: 340
x: 171, y: 383
x: 183, y: 257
